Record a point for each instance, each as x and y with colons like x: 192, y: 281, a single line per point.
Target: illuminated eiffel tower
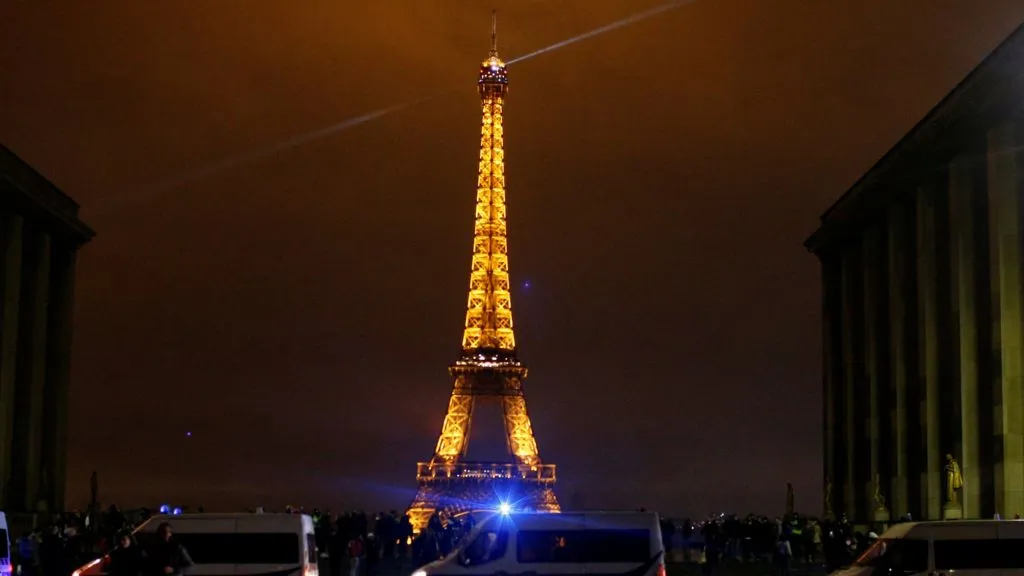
x: 487, y: 369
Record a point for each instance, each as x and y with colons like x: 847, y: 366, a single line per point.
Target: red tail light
x: 89, y: 565
x: 661, y: 569
x: 311, y: 570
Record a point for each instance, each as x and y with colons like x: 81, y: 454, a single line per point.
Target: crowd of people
x: 781, y: 542
x: 353, y: 542
x: 71, y: 540
x: 356, y: 543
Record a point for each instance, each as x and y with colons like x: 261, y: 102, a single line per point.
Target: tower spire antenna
x: 494, y: 32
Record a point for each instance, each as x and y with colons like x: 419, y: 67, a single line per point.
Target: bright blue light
x: 165, y: 509
x: 504, y: 508
x: 176, y: 511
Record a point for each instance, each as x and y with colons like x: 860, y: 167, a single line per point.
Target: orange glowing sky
x: 296, y: 314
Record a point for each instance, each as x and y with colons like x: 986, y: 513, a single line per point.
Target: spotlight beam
x: 225, y: 164
x: 603, y: 29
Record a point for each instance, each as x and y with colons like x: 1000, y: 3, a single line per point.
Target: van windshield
x: 5, y: 550
x: 234, y: 548
x: 897, y: 554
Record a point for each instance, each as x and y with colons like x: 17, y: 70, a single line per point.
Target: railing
x: 426, y: 471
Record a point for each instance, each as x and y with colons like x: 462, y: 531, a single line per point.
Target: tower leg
x: 455, y: 431
x: 422, y: 508
x: 519, y: 431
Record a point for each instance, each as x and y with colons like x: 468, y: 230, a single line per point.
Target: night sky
x: 296, y: 314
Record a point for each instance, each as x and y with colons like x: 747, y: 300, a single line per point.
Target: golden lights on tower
x: 489, y: 306
x: 487, y: 369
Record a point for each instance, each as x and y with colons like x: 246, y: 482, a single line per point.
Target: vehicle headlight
x: 419, y: 573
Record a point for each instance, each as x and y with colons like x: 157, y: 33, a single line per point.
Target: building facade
x: 40, y: 234
x: 922, y: 272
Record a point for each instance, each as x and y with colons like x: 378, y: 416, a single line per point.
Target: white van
x: 235, y: 544
x: 6, y: 568
x: 620, y: 543
x: 966, y: 547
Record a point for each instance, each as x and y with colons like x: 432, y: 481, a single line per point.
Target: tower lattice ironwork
x: 487, y: 369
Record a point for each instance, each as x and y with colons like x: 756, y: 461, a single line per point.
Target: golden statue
x: 828, y: 497
x: 954, y: 480
x: 878, y: 498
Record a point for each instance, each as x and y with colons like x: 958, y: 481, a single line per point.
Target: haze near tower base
x: 487, y: 370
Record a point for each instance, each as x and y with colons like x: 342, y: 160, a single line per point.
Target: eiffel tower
x: 487, y: 369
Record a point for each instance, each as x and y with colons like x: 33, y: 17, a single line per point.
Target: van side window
x: 618, y: 546
x: 489, y: 546
x: 979, y: 554
x: 544, y: 546
x: 312, y: 556
x: 235, y: 548
x: 586, y: 546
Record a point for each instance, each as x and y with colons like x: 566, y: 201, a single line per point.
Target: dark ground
x: 404, y: 568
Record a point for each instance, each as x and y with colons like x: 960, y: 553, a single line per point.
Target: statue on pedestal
x: 44, y: 494
x: 954, y: 481
x: 878, y: 497
x: 828, y: 497
x: 94, y: 490
x: 881, y: 510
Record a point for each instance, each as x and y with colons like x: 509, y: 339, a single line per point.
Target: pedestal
x: 882, y: 515
x: 952, y: 512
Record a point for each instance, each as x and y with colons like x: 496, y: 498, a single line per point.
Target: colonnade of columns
x: 37, y: 272
x: 923, y: 325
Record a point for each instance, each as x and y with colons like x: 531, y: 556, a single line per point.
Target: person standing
x: 168, y: 557
x: 127, y: 559
x: 355, y: 554
x: 783, y: 555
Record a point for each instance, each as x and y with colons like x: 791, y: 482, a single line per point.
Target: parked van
x: 965, y: 546
x: 234, y: 544
x: 620, y: 543
x: 6, y: 567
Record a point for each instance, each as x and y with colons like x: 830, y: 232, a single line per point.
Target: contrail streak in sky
x: 290, y: 143
x: 216, y: 167
x: 245, y: 158
x: 608, y: 28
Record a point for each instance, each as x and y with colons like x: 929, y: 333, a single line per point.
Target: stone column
x: 62, y: 290
x: 897, y: 262
x: 962, y: 266
x: 829, y: 321
x: 869, y: 264
x: 1005, y: 177
x: 10, y: 290
x: 928, y: 352
x: 850, y: 426
x: 31, y: 369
